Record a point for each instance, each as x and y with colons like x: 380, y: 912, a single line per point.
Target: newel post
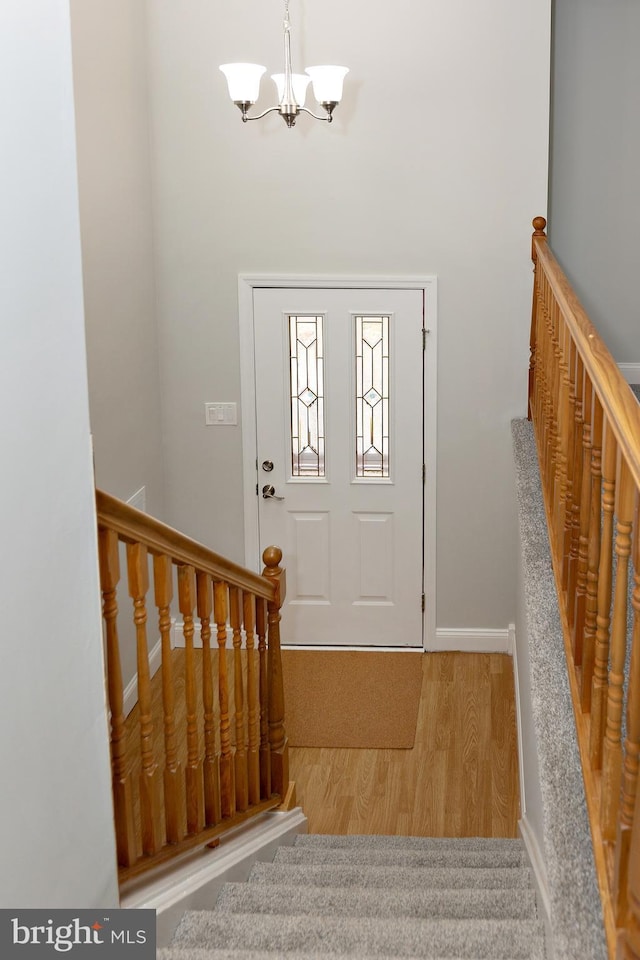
x: 277, y: 736
x: 539, y: 224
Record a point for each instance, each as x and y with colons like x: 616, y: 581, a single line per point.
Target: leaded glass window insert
x: 372, y: 396
x: 306, y: 351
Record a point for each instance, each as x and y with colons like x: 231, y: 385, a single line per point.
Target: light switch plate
x: 220, y: 414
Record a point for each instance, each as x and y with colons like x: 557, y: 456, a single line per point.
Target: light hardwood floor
x: 460, y: 779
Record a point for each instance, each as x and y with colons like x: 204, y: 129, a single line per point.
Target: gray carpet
x: 576, y: 913
x: 382, y: 897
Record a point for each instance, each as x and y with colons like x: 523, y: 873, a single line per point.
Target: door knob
x: 267, y: 465
x: 269, y: 492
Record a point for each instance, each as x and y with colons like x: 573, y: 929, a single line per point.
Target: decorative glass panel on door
x: 306, y: 351
x: 372, y: 396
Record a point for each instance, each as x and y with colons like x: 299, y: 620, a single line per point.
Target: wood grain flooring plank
x: 460, y: 778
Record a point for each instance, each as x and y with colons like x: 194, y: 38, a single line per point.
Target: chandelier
x: 243, y: 80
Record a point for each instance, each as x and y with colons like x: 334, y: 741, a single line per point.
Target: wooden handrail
x: 587, y: 428
x: 618, y: 404
x: 133, y: 526
x: 205, y: 747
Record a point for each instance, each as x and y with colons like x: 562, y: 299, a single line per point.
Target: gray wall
x: 595, y: 189
x: 436, y: 163
x: 56, y: 817
x: 111, y: 95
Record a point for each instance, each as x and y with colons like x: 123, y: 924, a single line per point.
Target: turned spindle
x: 277, y: 736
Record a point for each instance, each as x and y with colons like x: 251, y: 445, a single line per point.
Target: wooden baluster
x: 211, y: 767
x: 193, y: 772
x: 562, y: 402
x: 552, y: 433
x: 121, y: 771
x: 568, y: 437
x: 538, y: 223
x: 603, y: 620
x: 265, y: 750
x: 150, y: 797
x: 173, y: 782
x: 277, y: 736
x: 576, y: 457
x: 593, y: 556
x: 584, y: 513
x: 242, y: 780
x: 532, y: 354
x: 542, y: 408
x: 629, y: 941
x: 612, y: 748
x: 227, y: 779
x: 545, y: 369
x: 253, y: 758
x: 632, y: 743
x: 538, y: 383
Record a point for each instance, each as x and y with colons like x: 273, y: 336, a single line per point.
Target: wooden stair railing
x: 185, y: 784
x: 587, y: 427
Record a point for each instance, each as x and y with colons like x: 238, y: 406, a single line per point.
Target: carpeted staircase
x: 383, y: 897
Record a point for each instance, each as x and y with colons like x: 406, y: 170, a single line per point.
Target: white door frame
x: 428, y: 285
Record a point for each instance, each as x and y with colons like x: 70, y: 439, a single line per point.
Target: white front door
x: 339, y: 413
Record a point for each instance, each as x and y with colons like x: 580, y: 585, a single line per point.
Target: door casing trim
x: 247, y: 283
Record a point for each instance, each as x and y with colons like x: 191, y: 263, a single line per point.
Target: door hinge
x: 256, y: 489
x: 423, y: 602
x: 424, y: 339
x: 424, y: 473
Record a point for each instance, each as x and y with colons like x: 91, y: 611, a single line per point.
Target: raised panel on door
x: 339, y: 412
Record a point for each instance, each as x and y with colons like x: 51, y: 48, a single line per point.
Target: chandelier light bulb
x: 243, y: 81
x: 327, y: 82
x: 299, y: 83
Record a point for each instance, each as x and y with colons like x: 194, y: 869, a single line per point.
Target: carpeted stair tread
x: 408, y: 857
x: 364, y: 937
x: 349, y: 901
x: 378, y: 841
x: 220, y: 953
x: 382, y: 877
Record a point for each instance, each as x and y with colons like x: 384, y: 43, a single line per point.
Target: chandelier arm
x: 259, y: 116
x: 315, y: 115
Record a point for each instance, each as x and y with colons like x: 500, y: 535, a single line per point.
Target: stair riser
x: 496, y: 940
x: 353, y: 902
x: 358, y: 841
x: 391, y: 877
x: 402, y: 858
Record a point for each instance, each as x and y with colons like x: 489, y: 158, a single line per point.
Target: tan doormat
x: 352, y: 699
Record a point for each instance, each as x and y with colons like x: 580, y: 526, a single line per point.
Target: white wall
x: 436, y: 163
x: 111, y: 95
x: 56, y: 820
x: 595, y: 189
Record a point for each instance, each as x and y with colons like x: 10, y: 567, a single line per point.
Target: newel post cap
x: 271, y: 559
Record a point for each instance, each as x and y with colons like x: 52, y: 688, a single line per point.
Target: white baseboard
x: 477, y: 640
x: 131, y: 689
x: 193, y: 883
x: 516, y: 684
x: 630, y: 371
x: 540, y: 877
